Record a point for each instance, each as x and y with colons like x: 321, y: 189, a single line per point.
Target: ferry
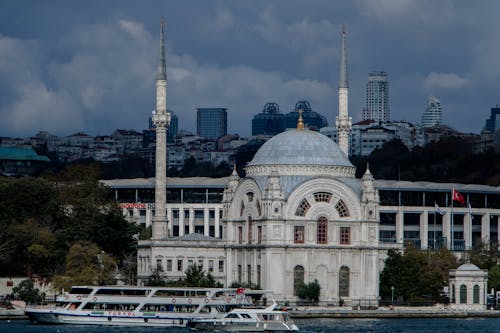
x: 247, y: 320
x: 139, y: 306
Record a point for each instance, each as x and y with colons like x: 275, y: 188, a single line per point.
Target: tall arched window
x: 322, y: 230
x: 475, y: 294
x: 344, y: 281
x: 463, y: 294
x: 298, y: 277
x: 453, y: 293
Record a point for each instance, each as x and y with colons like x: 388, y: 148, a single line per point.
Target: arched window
x: 322, y: 230
x: 322, y: 196
x: 242, y: 208
x: 298, y: 277
x: 342, y: 209
x: 344, y: 281
x: 475, y: 294
x: 249, y: 230
x: 302, y: 208
x: 463, y: 294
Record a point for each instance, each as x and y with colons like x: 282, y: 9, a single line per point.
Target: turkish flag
x: 240, y: 291
x: 456, y: 196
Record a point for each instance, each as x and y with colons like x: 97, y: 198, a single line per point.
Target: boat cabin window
x: 123, y: 292
x: 206, y: 309
x: 245, y: 315
x: 110, y: 306
x: 74, y: 305
x: 150, y: 307
x: 80, y: 291
x: 232, y: 315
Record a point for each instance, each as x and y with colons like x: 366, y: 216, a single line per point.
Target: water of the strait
x: 431, y: 325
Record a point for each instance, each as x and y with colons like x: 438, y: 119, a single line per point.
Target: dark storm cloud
x: 67, y: 66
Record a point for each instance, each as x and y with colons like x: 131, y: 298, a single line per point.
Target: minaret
x: 343, y: 121
x: 161, y: 121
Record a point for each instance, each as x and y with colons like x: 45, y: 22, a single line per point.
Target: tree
x: 484, y: 255
x: 86, y: 263
x: 416, y: 273
x: 494, y: 277
x: 197, y: 277
x: 27, y: 292
x: 309, y: 291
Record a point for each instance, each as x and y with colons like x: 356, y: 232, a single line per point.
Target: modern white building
x: 432, y: 115
x: 377, y: 97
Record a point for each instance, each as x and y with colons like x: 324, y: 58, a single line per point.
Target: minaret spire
x: 161, y: 121
x: 343, y: 83
x: 161, y: 73
x: 343, y: 121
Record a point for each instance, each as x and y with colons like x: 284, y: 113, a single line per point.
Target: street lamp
x: 392, y: 295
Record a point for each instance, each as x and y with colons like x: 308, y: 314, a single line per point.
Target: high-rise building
x: 311, y: 119
x: 493, y: 123
x: 211, y: 123
x: 269, y: 122
x: 432, y: 115
x: 377, y: 97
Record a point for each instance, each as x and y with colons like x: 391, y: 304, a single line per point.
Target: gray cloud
x: 92, y: 69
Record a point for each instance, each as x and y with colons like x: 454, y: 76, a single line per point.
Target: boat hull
x: 60, y: 317
x: 239, y: 326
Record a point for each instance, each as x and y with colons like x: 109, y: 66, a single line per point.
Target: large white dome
x: 300, y: 147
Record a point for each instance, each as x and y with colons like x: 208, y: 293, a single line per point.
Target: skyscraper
x: 432, y: 115
x: 377, y: 97
x: 343, y: 121
x: 211, y: 122
x: 312, y: 119
x: 269, y: 122
x: 493, y: 123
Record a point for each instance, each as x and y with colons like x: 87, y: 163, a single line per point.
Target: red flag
x: 240, y: 291
x: 456, y: 196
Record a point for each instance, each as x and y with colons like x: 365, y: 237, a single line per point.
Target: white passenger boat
x: 138, y: 306
x: 247, y: 320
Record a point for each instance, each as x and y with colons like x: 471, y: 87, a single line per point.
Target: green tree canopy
x: 86, y: 264
x: 27, y: 292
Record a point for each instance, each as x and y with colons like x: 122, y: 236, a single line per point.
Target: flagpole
x: 452, y: 238
x: 434, y: 231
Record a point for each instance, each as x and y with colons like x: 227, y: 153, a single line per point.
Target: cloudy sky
x: 83, y: 65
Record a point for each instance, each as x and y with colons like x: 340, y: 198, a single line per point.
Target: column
x: 206, y: 226
x: 191, y: 220
x: 485, y: 228
x: 217, y: 225
x: 399, y: 225
x: 468, y: 231
x: 181, y: 220
x: 149, y: 211
x: 170, y: 221
x: 446, y: 219
x: 424, y: 230
x: 498, y: 232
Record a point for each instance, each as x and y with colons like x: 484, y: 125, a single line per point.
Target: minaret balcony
x: 162, y: 120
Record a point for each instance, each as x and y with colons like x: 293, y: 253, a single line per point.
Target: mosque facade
x: 298, y: 216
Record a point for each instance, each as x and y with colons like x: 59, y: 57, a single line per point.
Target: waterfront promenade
x: 438, y: 311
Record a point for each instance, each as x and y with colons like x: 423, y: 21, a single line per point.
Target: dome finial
x: 300, y: 122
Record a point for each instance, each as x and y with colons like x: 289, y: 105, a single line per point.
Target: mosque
x: 298, y: 215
